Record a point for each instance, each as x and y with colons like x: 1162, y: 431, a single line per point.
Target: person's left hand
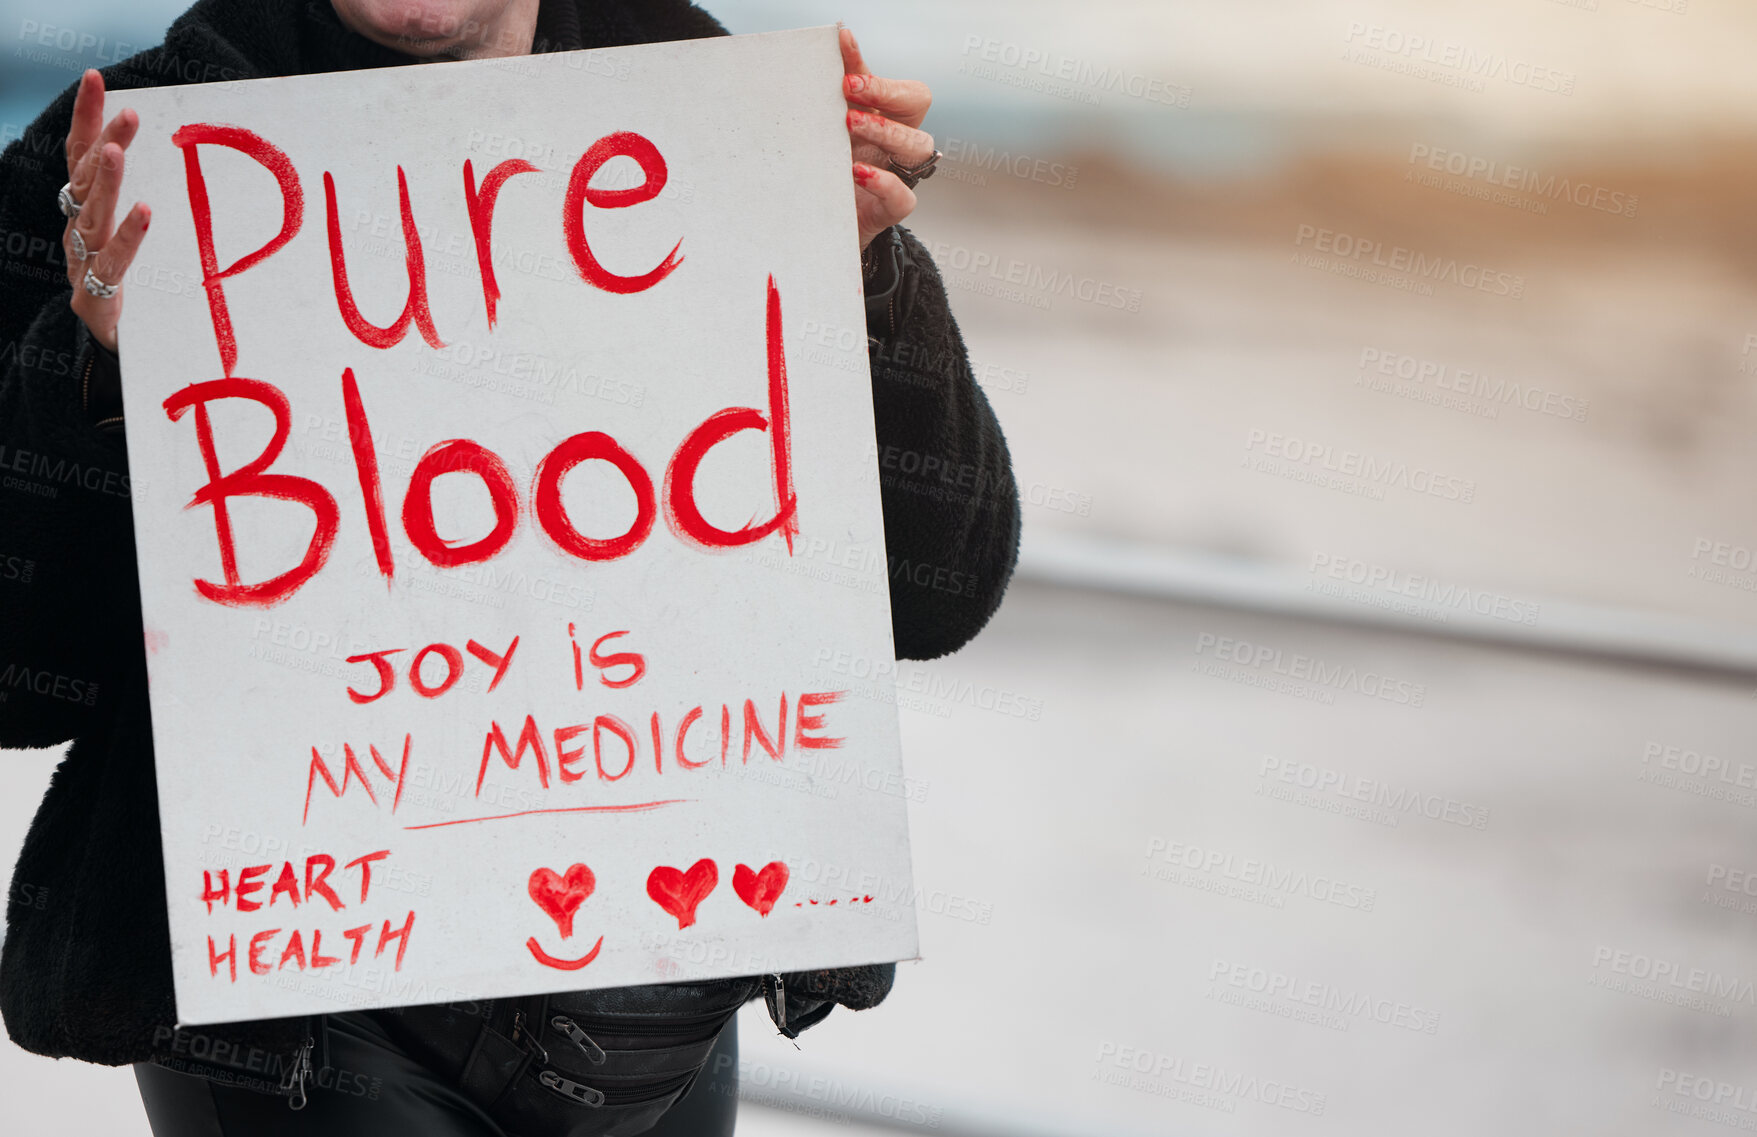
x: 884, y: 117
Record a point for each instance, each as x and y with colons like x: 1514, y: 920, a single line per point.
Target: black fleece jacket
x: 85, y: 970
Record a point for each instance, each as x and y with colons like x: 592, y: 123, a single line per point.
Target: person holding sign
x: 88, y: 973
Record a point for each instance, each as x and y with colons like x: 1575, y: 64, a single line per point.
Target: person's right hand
x: 94, y: 170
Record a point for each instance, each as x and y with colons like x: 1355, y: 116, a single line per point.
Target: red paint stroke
x: 350, y: 773
x: 499, y: 662
x: 634, y: 807
x: 387, y: 676
x: 621, y: 144
x: 378, y: 760
x: 623, y: 731
x: 366, y: 465
x: 681, y: 511
x: 680, y: 892
x: 188, y: 138
x: 682, y: 731
x: 753, y: 727
x: 604, y: 661
x: 249, y: 480
x: 459, y: 455
x: 402, y: 773
x: 760, y: 890
x: 530, y: 737
x: 548, y: 960
x: 415, y: 309
x: 561, y: 895
x: 807, y: 723
x: 454, y: 664
x: 481, y: 209
x: 552, y: 514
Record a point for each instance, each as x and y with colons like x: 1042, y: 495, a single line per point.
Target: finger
x: 905, y: 100
x: 852, y: 63
x: 881, y: 200
x: 909, y: 146
x: 88, y: 118
x: 120, y: 130
x: 110, y: 263
x: 99, y: 209
x: 70, y: 255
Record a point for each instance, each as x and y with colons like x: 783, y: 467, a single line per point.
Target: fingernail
x: 863, y: 173
x: 857, y: 83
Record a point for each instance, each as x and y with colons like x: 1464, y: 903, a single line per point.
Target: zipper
x: 521, y: 1034
x: 294, y: 1083
x: 657, y: 1023
x: 573, y: 1091
x: 581, y: 1094
x: 593, y: 1052
x: 85, y: 393
x: 85, y: 380
x: 776, y: 1002
x: 780, y: 1006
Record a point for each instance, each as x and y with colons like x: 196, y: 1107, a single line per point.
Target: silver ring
x: 911, y: 176
x: 69, y: 207
x: 98, y: 288
x: 77, y: 240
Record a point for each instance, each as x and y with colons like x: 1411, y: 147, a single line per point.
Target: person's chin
x: 405, y: 28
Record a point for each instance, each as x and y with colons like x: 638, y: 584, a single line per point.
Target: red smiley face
x: 560, y: 895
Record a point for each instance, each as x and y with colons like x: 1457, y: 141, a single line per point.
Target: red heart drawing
x: 561, y: 896
x: 760, y: 890
x: 679, y: 892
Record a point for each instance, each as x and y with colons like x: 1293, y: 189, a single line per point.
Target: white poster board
x: 520, y: 674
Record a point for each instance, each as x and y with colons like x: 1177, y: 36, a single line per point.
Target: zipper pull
x: 296, y: 1077
x: 525, y: 1038
x: 593, y: 1052
x: 571, y: 1090
x: 778, y: 1008
x: 778, y: 1004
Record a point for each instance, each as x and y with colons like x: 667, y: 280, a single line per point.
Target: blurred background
x: 1418, y: 339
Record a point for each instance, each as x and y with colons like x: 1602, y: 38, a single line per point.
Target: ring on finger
x: 65, y: 200
x: 77, y: 240
x: 912, y: 176
x: 98, y: 288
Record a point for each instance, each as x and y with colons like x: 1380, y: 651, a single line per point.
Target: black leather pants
x: 372, y: 1088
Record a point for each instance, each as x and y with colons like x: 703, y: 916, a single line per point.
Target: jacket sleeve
x: 951, y: 506
x: 69, y: 604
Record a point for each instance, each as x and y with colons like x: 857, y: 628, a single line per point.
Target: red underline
x: 634, y: 807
